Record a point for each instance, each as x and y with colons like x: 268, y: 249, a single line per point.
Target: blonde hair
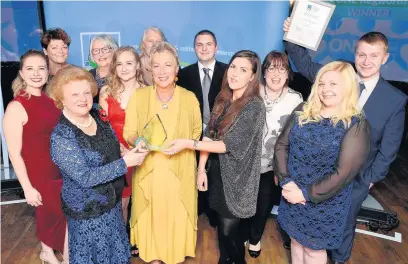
x: 348, y: 109
x: 65, y: 76
x: 154, y: 29
x: 109, y: 41
x: 161, y: 47
x: 18, y: 85
x: 114, y: 82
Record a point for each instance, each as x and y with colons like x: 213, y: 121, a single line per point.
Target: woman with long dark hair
x: 234, y: 139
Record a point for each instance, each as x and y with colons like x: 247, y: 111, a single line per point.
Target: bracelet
x: 195, y: 143
x: 198, y: 173
x: 138, y: 140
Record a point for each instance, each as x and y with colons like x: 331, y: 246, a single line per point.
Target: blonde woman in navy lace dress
x: 319, y: 152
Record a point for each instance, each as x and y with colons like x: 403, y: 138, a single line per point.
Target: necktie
x: 362, y: 87
x: 205, y: 85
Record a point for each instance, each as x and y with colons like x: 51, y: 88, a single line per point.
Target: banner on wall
x: 352, y: 19
x: 237, y: 25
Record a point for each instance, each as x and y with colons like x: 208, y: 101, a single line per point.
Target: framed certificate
x: 309, y: 21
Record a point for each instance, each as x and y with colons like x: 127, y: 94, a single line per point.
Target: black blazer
x: 189, y: 78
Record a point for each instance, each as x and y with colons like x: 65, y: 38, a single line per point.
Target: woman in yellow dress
x: 164, y: 201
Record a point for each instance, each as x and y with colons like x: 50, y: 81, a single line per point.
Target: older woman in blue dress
x: 319, y: 152
x: 88, y: 154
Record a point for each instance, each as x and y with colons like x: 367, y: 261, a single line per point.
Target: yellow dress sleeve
x: 198, y: 123
x: 130, y: 130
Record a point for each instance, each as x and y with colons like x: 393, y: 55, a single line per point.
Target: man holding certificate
x: 384, y: 108
x: 163, y: 221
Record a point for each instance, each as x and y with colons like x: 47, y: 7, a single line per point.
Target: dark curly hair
x: 54, y: 33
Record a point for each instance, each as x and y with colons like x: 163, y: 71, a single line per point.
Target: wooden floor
x: 19, y: 244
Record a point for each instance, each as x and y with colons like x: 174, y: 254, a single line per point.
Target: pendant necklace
x: 164, y: 104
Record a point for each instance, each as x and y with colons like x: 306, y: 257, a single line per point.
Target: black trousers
x: 203, y: 202
x: 204, y: 208
x: 269, y: 195
x: 230, y: 240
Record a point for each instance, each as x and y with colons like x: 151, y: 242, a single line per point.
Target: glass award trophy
x: 154, y: 135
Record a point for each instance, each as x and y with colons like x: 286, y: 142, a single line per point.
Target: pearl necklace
x: 86, y: 125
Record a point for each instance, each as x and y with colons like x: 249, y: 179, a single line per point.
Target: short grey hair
x: 155, y: 29
x: 165, y: 47
x: 108, y: 39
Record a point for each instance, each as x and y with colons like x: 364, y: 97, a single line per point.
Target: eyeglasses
x: 273, y: 69
x: 104, y: 50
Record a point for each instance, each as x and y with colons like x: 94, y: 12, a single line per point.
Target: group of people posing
x: 222, y: 139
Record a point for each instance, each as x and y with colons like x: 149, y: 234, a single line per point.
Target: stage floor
x: 20, y: 246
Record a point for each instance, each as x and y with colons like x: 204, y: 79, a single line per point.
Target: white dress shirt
x: 211, y: 71
x: 211, y: 67
x: 365, y: 94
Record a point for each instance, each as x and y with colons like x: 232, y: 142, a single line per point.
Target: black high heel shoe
x: 253, y: 253
x: 286, y: 244
x: 134, y: 248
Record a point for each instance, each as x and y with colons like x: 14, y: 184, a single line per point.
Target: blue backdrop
x: 237, y: 25
x: 20, y: 29
x: 352, y: 19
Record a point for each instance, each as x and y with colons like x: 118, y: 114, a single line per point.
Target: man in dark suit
x: 204, y: 79
x: 384, y: 107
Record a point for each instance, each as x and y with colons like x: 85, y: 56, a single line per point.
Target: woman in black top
x: 234, y: 136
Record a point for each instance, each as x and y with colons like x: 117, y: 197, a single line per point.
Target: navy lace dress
x: 92, y: 172
x: 322, y: 160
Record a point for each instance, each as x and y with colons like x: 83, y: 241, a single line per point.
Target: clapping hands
x: 293, y: 194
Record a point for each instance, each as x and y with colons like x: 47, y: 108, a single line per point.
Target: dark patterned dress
x: 93, y: 181
x: 101, y: 82
x: 322, y: 159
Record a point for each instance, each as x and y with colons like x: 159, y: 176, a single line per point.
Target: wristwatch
x: 195, y: 144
